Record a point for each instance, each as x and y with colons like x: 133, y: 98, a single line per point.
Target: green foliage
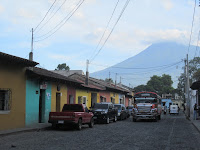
x: 62, y: 66
x: 109, y: 80
x: 194, y: 74
x: 159, y: 84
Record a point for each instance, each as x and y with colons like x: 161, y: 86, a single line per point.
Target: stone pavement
x: 36, y: 127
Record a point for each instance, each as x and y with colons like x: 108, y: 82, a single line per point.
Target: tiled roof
x: 92, y: 85
x: 100, y: 83
x: 49, y: 74
x: 10, y: 59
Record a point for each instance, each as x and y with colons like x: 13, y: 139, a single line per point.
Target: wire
x: 106, y: 27
x: 51, y: 16
x: 192, y: 27
x: 126, y: 4
x: 150, y: 71
x: 197, y: 44
x: 44, y: 16
x: 140, y: 68
x: 70, y: 15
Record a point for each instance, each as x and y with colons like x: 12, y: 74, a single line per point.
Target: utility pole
x: 31, y: 53
x: 187, y: 86
x: 87, y: 73
x: 115, y: 79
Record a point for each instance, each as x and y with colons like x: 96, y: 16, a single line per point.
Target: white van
x: 173, y: 109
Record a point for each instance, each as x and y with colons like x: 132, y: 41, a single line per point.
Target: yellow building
x: 114, y: 98
x: 13, y: 90
x: 58, y: 96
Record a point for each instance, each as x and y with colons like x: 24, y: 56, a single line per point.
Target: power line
x: 139, y: 68
x: 45, y: 15
x: 106, y: 27
x: 51, y: 16
x: 61, y: 24
x: 192, y: 27
x: 126, y: 4
x: 197, y: 44
x: 151, y: 71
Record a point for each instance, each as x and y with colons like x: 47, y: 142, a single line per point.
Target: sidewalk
x: 36, y: 127
x: 196, y: 123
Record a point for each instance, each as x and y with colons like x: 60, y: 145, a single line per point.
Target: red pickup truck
x: 72, y: 114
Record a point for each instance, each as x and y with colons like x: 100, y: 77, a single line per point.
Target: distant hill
x: 157, y: 59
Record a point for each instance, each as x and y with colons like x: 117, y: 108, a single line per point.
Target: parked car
x: 104, y: 112
x: 122, y: 112
x: 174, y: 109
x: 130, y: 110
x: 72, y: 114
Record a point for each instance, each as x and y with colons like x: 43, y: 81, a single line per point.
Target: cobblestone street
x: 171, y: 132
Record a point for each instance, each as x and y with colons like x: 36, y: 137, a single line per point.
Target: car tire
x: 91, y: 124
x: 79, y: 124
x: 107, y: 120
x: 115, y: 119
x: 55, y: 126
x: 121, y: 117
x: 156, y: 119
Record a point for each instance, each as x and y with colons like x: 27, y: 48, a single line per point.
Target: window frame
x: 9, y: 101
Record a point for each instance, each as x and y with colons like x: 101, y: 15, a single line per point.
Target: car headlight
x: 119, y: 114
x: 103, y: 112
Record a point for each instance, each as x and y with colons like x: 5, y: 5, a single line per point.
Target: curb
x: 23, y: 130
x: 196, y: 127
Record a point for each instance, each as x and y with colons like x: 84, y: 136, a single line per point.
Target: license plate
x: 95, y: 117
x: 61, y: 121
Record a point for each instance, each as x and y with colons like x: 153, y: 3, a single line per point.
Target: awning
x: 195, y: 85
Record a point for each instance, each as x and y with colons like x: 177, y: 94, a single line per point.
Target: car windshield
x: 145, y: 100
x: 129, y: 107
x: 100, y: 106
x: 118, y: 107
x: 72, y: 108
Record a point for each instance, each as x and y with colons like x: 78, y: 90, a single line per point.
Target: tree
x: 62, y: 66
x: 109, y: 80
x: 159, y: 84
x: 194, y: 74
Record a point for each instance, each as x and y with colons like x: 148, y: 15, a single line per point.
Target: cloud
x: 60, y: 57
x: 1, y: 9
x: 26, y: 14
x: 167, y: 4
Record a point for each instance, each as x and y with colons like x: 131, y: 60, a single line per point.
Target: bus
x: 147, y: 105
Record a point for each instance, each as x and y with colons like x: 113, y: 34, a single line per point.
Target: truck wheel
x: 121, y: 117
x: 91, y: 124
x: 156, y: 119
x: 115, y: 119
x: 79, y: 125
x: 54, y: 126
x: 107, y: 120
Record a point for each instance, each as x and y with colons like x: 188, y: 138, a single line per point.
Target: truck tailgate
x: 61, y: 116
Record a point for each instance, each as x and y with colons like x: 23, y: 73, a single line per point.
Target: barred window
x: 5, y: 99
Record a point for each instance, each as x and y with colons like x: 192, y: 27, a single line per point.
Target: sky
x: 143, y: 23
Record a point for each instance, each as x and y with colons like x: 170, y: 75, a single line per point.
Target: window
x: 112, y: 100
x: 5, y: 100
x: 102, y: 99
x: 80, y: 100
x: 84, y: 100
